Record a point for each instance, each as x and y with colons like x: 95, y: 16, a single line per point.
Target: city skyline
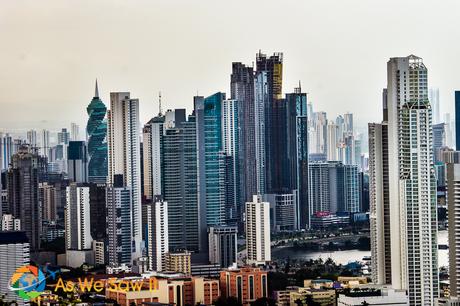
x: 161, y: 63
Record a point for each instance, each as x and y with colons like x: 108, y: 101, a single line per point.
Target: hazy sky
x: 52, y: 51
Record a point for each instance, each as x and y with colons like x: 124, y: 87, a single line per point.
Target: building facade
x: 258, y: 231
x: 124, y: 156
x: 96, y: 130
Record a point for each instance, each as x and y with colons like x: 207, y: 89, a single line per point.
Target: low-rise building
x: 178, y: 262
x: 246, y: 284
x: 292, y: 295
x: 179, y: 291
x: 373, y: 296
x: 352, y: 281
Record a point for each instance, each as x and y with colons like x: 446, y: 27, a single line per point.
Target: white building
x: 77, y: 218
x: 453, y: 204
x: 332, y: 141
x: 74, y: 132
x: 151, y: 135
x: 412, y: 211
x: 32, y: 138
x: 158, y: 238
x: 10, y: 223
x: 45, y: 143
x: 258, y: 231
x: 230, y: 142
x: 124, y: 156
x: 386, y: 297
x: 14, y: 253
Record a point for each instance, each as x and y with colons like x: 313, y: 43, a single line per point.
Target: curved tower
x: 96, y: 129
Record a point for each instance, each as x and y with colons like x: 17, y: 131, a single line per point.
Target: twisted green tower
x: 96, y: 129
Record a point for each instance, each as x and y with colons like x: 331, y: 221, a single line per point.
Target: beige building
x: 178, y: 291
x: 291, y: 296
x: 178, y: 262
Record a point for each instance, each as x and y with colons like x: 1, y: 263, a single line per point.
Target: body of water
x: 344, y: 257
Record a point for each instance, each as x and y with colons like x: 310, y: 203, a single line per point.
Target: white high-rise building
x: 14, y: 253
x: 318, y: 134
x: 453, y: 204
x: 10, y: 223
x: 74, y: 132
x: 258, y: 231
x: 332, y: 141
x: 411, y: 197
x: 230, y: 147
x: 152, y: 134
x: 7, y: 149
x: 124, y: 156
x: 32, y: 138
x: 434, y: 100
x: 45, y: 143
x: 158, y: 238
x: 348, y: 121
x: 77, y: 218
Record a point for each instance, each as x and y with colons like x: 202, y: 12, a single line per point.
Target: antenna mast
x: 160, y: 111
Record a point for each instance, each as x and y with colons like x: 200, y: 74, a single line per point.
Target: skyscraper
x: 96, y: 130
x: 434, y: 101
x: 457, y: 119
x: 45, y: 143
x: 98, y: 210
x: 230, y: 146
x: 7, y: 150
x: 211, y: 159
x: 180, y: 185
x: 258, y: 231
x: 63, y: 136
x: 32, y: 138
x: 242, y: 90
x: 119, y: 223
x: 77, y: 218
x: 332, y: 141
x: 77, y: 161
x: 152, y: 148
x: 334, y: 187
x: 124, y: 156
x: 439, y: 139
x: 74, y: 132
x: 269, y: 81
x: 297, y: 153
x: 23, y: 195
x: 411, y: 184
x: 157, y: 237
x: 261, y: 103
x: 453, y: 192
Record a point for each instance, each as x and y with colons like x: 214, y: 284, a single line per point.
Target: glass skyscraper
x: 96, y: 130
x: 212, y: 161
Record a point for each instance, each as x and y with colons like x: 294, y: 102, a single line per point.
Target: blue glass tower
x: 96, y: 130
x: 211, y: 160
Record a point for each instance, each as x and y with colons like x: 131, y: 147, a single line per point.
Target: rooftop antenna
x: 160, y: 111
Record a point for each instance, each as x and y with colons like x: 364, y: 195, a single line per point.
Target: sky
x: 51, y: 52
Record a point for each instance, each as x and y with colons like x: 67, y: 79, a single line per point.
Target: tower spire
x: 160, y: 111
x: 96, y: 91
